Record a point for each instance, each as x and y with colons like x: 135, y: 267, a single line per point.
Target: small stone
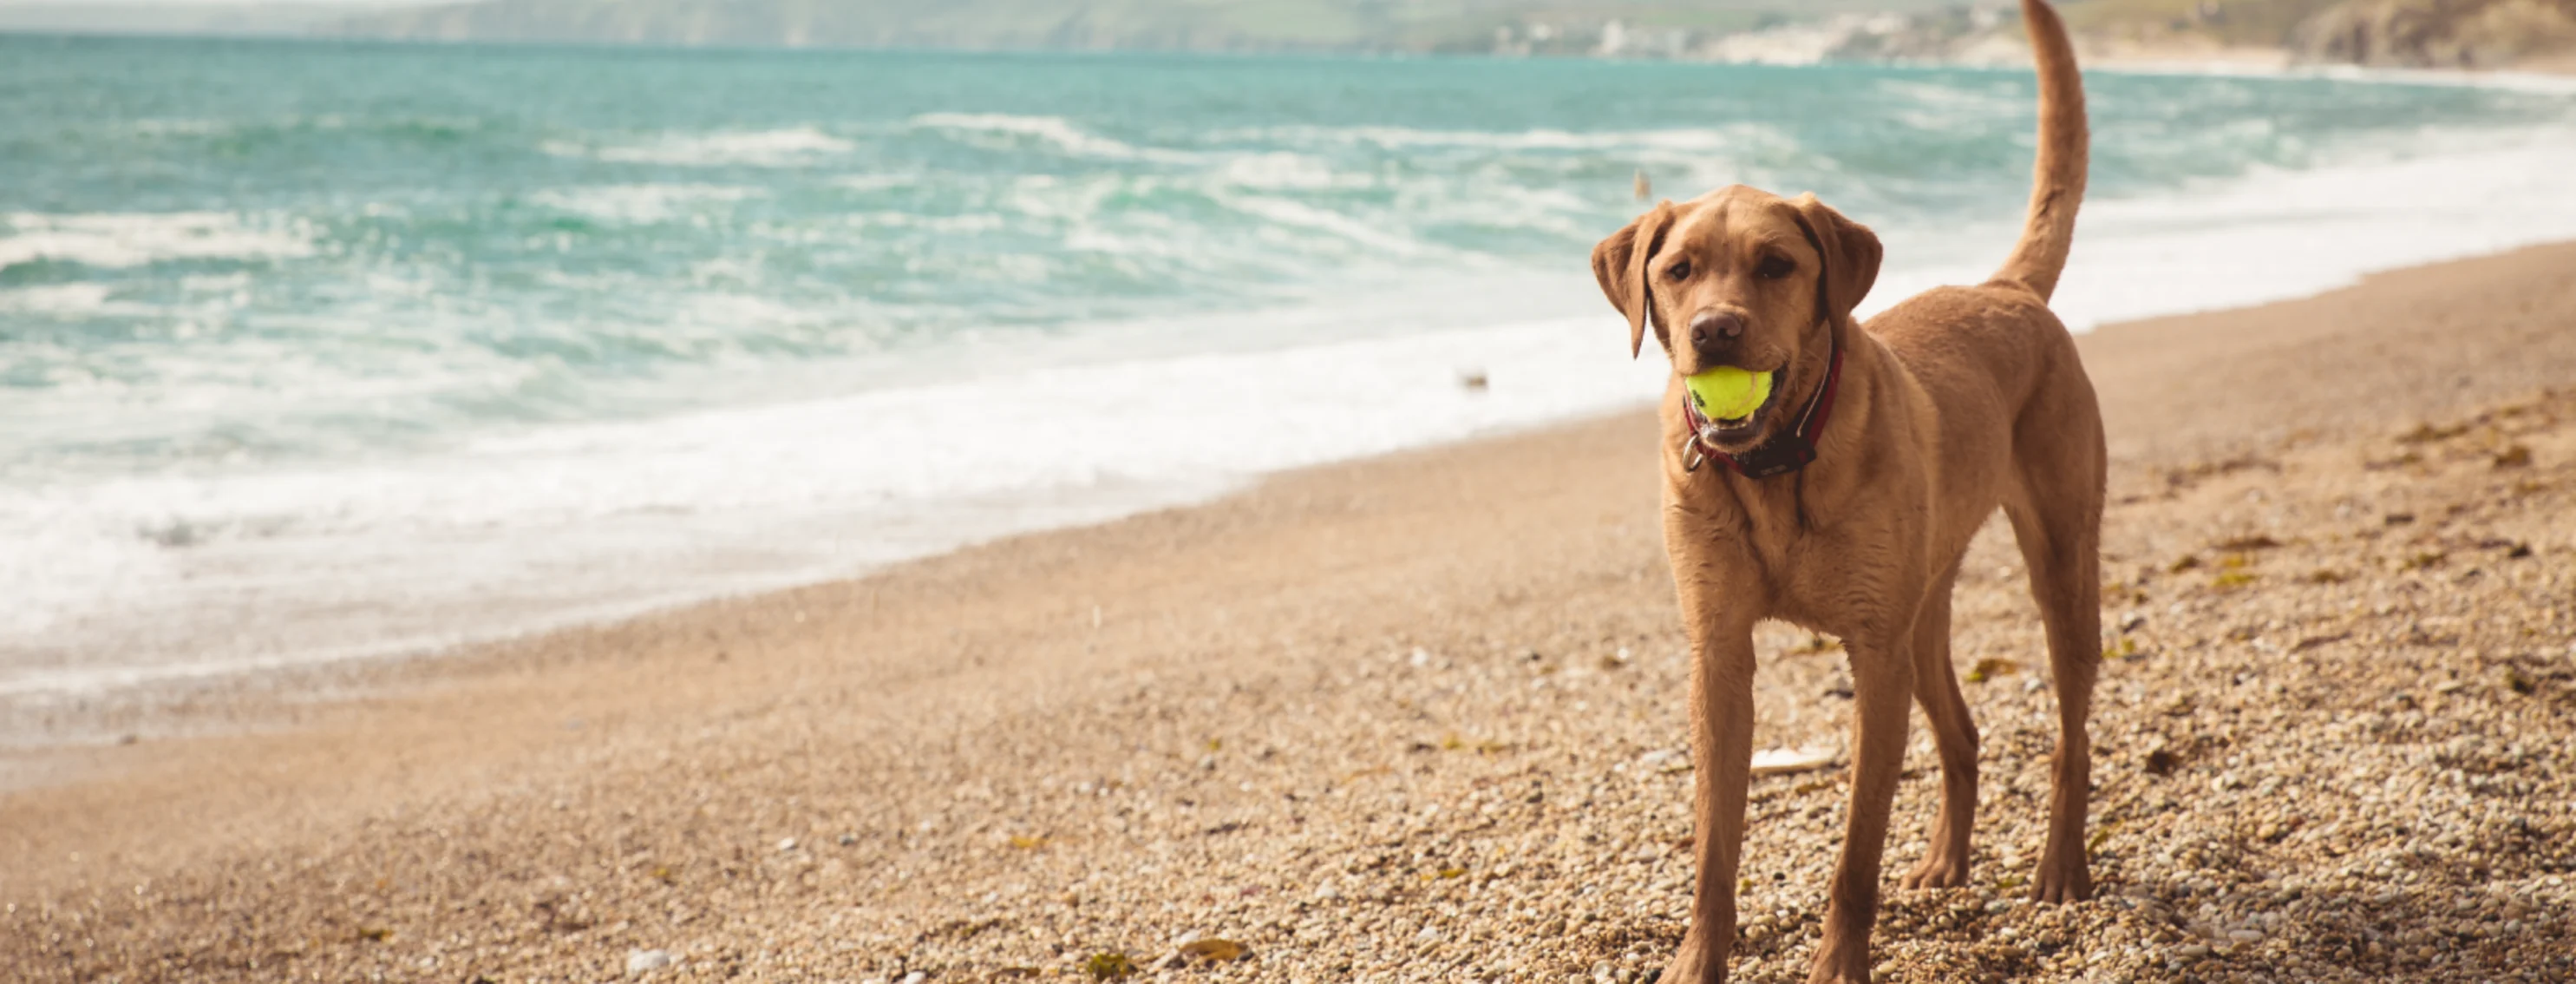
x: 1783, y: 761
x: 647, y: 961
x: 787, y: 843
x: 916, y: 977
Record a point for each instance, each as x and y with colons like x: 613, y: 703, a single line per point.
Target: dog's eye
x: 1679, y: 271
x: 1775, y: 267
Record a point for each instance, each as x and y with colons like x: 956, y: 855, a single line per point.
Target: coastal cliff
x: 2440, y: 33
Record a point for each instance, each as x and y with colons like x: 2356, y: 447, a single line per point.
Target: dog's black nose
x: 1714, y: 333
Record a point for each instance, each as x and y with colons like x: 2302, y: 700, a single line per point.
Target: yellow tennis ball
x: 1728, y: 393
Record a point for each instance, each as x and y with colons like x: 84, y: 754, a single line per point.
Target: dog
x: 1846, y: 500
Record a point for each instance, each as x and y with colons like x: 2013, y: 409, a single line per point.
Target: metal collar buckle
x: 1695, y: 446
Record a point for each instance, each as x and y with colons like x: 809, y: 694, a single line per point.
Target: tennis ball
x: 1728, y: 393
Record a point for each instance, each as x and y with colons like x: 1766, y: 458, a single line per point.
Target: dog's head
x: 1745, y: 278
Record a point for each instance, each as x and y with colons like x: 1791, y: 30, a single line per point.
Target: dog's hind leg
x: 1936, y: 687
x: 2058, y: 522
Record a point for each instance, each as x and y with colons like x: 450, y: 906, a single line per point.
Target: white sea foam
x: 128, y: 239
x: 1286, y: 171
x: 876, y: 182
x: 786, y: 147
x: 1287, y: 213
x: 1729, y: 137
x: 2533, y: 82
x: 1007, y: 132
x: 641, y: 204
x: 591, y: 518
x: 56, y: 299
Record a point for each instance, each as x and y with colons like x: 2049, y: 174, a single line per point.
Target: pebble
x: 1783, y: 761
x: 647, y: 961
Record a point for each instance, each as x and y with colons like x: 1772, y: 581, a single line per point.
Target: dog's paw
x: 2061, y: 882
x: 1689, y: 968
x: 1939, y: 869
x: 1840, y: 966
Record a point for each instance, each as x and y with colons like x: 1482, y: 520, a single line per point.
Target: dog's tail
x: 2057, y: 181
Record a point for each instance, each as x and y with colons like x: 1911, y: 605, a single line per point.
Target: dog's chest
x: 1748, y: 540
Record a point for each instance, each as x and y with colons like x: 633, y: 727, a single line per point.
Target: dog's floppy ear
x: 1851, y: 255
x: 1619, y: 262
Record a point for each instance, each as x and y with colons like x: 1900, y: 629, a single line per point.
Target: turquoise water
x: 288, y: 328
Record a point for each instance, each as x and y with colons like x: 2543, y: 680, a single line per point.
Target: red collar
x: 1786, y: 451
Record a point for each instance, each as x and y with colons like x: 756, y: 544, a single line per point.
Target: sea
x: 319, y: 351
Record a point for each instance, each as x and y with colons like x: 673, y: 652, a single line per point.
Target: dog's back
x: 1993, y: 357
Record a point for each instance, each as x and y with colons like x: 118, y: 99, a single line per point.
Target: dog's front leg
x: 1722, y: 752
x: 1882, y: 691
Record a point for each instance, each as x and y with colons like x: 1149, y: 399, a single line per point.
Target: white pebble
x: 647, y: 961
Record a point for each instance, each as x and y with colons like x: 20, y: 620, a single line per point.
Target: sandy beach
x: 1416, y: 718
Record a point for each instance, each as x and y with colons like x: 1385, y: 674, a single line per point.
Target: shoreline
x: 110, y: 713
x: 36, y: 715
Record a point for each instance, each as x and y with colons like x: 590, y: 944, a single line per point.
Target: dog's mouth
x: 1729, y: 410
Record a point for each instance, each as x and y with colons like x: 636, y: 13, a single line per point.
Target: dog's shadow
x: 2408, y: 922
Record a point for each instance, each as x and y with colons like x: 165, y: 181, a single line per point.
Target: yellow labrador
x: 1844, y: 502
